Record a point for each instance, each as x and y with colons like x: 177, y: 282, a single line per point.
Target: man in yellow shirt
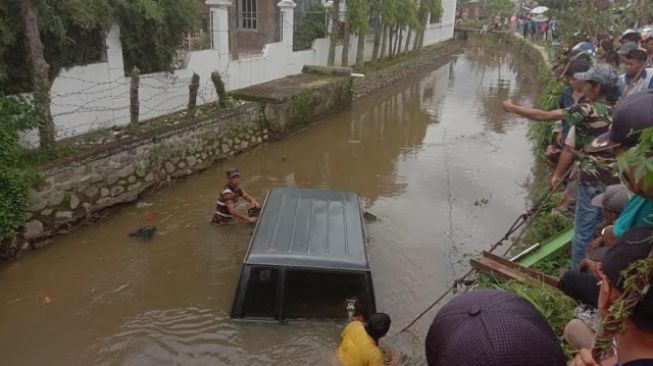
x: 360, y: 342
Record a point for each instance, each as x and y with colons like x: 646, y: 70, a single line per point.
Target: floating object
x: 369, y: 216
x: 146, y: 232
x: 47, y: 300
x: 143, y: 204
x: 151, y: 217
x: 354, y: 141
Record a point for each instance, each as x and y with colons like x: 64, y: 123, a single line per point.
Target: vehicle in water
x: 307, y: 259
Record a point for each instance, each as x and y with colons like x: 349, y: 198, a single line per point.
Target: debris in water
x: 47, y: 300
x: 146, y: 232
x: 143, y: 204
x: 354, y: 141
x: 151, y: 217
x: 369, y: 216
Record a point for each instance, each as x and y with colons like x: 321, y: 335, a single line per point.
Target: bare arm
x: 566, y: 159
x: 533, y: 113
x: 251, y: 200
x: 233, y: 211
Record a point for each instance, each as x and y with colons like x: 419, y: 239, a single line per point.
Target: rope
x: 522, y: 220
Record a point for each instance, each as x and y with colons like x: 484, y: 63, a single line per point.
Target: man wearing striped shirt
x: 225, y: 209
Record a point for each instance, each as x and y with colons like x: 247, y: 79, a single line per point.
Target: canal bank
x: 83, y: 187
x: 434, y: 157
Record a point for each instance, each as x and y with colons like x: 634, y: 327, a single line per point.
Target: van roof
x: 309, y: 228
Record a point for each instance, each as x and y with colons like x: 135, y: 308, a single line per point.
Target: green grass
x: 385, y: 62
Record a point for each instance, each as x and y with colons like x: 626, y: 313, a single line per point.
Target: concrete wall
x: 96, y: 96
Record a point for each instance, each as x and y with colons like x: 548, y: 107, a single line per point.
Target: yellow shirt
x: 358, y: 348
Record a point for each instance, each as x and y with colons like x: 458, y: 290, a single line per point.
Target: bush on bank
x: 16, y: 175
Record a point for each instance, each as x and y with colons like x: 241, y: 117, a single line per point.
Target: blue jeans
x: 585, y: 222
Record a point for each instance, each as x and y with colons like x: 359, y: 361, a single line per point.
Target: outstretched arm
x: 532, y: 113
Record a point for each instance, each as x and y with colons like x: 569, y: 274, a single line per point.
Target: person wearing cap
x: 588, y: 121
x: 631, y: 35
x: 580, y: 284
x: 637, y: 76
x: 634, y: 344
x: 360, y: 342
x: 491, y: 328
x: 633, y: 115
x: 225, y: 209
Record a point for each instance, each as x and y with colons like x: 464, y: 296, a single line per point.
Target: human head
x: 629, y: 118
x: 631, y: 35
x: 635, y: 246
x: 580, y: 64
x: 601, y: 82
x: 634, y: 61
x: 612, y: 202
x: 377, y: 325
x: 233, y: 175
x: 605, y: 47
x: 491, y: 328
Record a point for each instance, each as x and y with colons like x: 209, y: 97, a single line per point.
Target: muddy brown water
x: 434, y: 157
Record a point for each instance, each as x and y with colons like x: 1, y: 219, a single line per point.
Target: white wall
x: 89, y: 97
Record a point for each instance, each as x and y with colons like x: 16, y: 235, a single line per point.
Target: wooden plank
x: 504, y: 269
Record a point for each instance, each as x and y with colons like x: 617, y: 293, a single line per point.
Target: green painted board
x: 549, y: 248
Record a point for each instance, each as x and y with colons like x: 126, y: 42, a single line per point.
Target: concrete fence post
x: 219, y: 12
x: 287, y: 22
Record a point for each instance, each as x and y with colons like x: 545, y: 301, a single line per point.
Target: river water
x: 434, y: 157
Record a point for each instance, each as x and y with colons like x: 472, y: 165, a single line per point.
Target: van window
x: 261, y: 293
x: 316, y: 294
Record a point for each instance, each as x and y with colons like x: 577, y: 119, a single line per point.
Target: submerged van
x: 306, y: 259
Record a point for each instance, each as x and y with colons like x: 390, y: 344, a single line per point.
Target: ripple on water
x: 196, y: 336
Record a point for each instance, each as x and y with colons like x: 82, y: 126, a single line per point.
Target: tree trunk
x: 360, y: 49
x: 192, y: 94
x: 134, y: 104
x: 40, y: 77
x: 333, y: 37
x: 399, y: 35
x: 377, y: 39
x: 344, y: 61
x: 416, y: 41
x: 384, y: 37
x: 408, y: 35
x: 390, y: 40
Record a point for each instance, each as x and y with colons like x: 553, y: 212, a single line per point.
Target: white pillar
x: 219, y: 10
x: 288, y: 21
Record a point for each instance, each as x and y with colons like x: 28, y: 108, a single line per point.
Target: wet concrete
x: 434, y: 157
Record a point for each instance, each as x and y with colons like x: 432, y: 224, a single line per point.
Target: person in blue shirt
x: 637, y: 77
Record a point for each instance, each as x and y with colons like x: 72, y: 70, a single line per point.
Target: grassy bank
x: 557, y: 308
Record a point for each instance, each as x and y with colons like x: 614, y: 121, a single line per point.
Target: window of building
x: 247, y: 14
x: 434, y: 19
x: 312, y: 294
x: 261, y: 296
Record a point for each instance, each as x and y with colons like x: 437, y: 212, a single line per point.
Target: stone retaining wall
x: 80, y: 189
x: 428, y: 58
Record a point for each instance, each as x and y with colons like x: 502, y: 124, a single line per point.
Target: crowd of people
x: 607, y: 104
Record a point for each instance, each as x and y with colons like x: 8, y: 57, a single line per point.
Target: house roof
x: 309, y: 228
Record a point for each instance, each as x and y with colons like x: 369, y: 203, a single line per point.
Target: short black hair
x: 580, y: 64
x: 637, y: 54
x: 378, y: 325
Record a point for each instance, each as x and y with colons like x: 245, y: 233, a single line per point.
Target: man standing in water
x: 225, y: 209
x: 588, y: 121
x: 360, y: 342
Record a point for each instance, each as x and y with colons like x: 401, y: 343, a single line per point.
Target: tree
x: 333, y: 36
x: 150, y: 31
x: 426, y: 7
x: 40, y: 67
x: 357, y: 20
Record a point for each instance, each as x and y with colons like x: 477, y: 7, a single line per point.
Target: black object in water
x: 253, y: 211
x: 146, y: 232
